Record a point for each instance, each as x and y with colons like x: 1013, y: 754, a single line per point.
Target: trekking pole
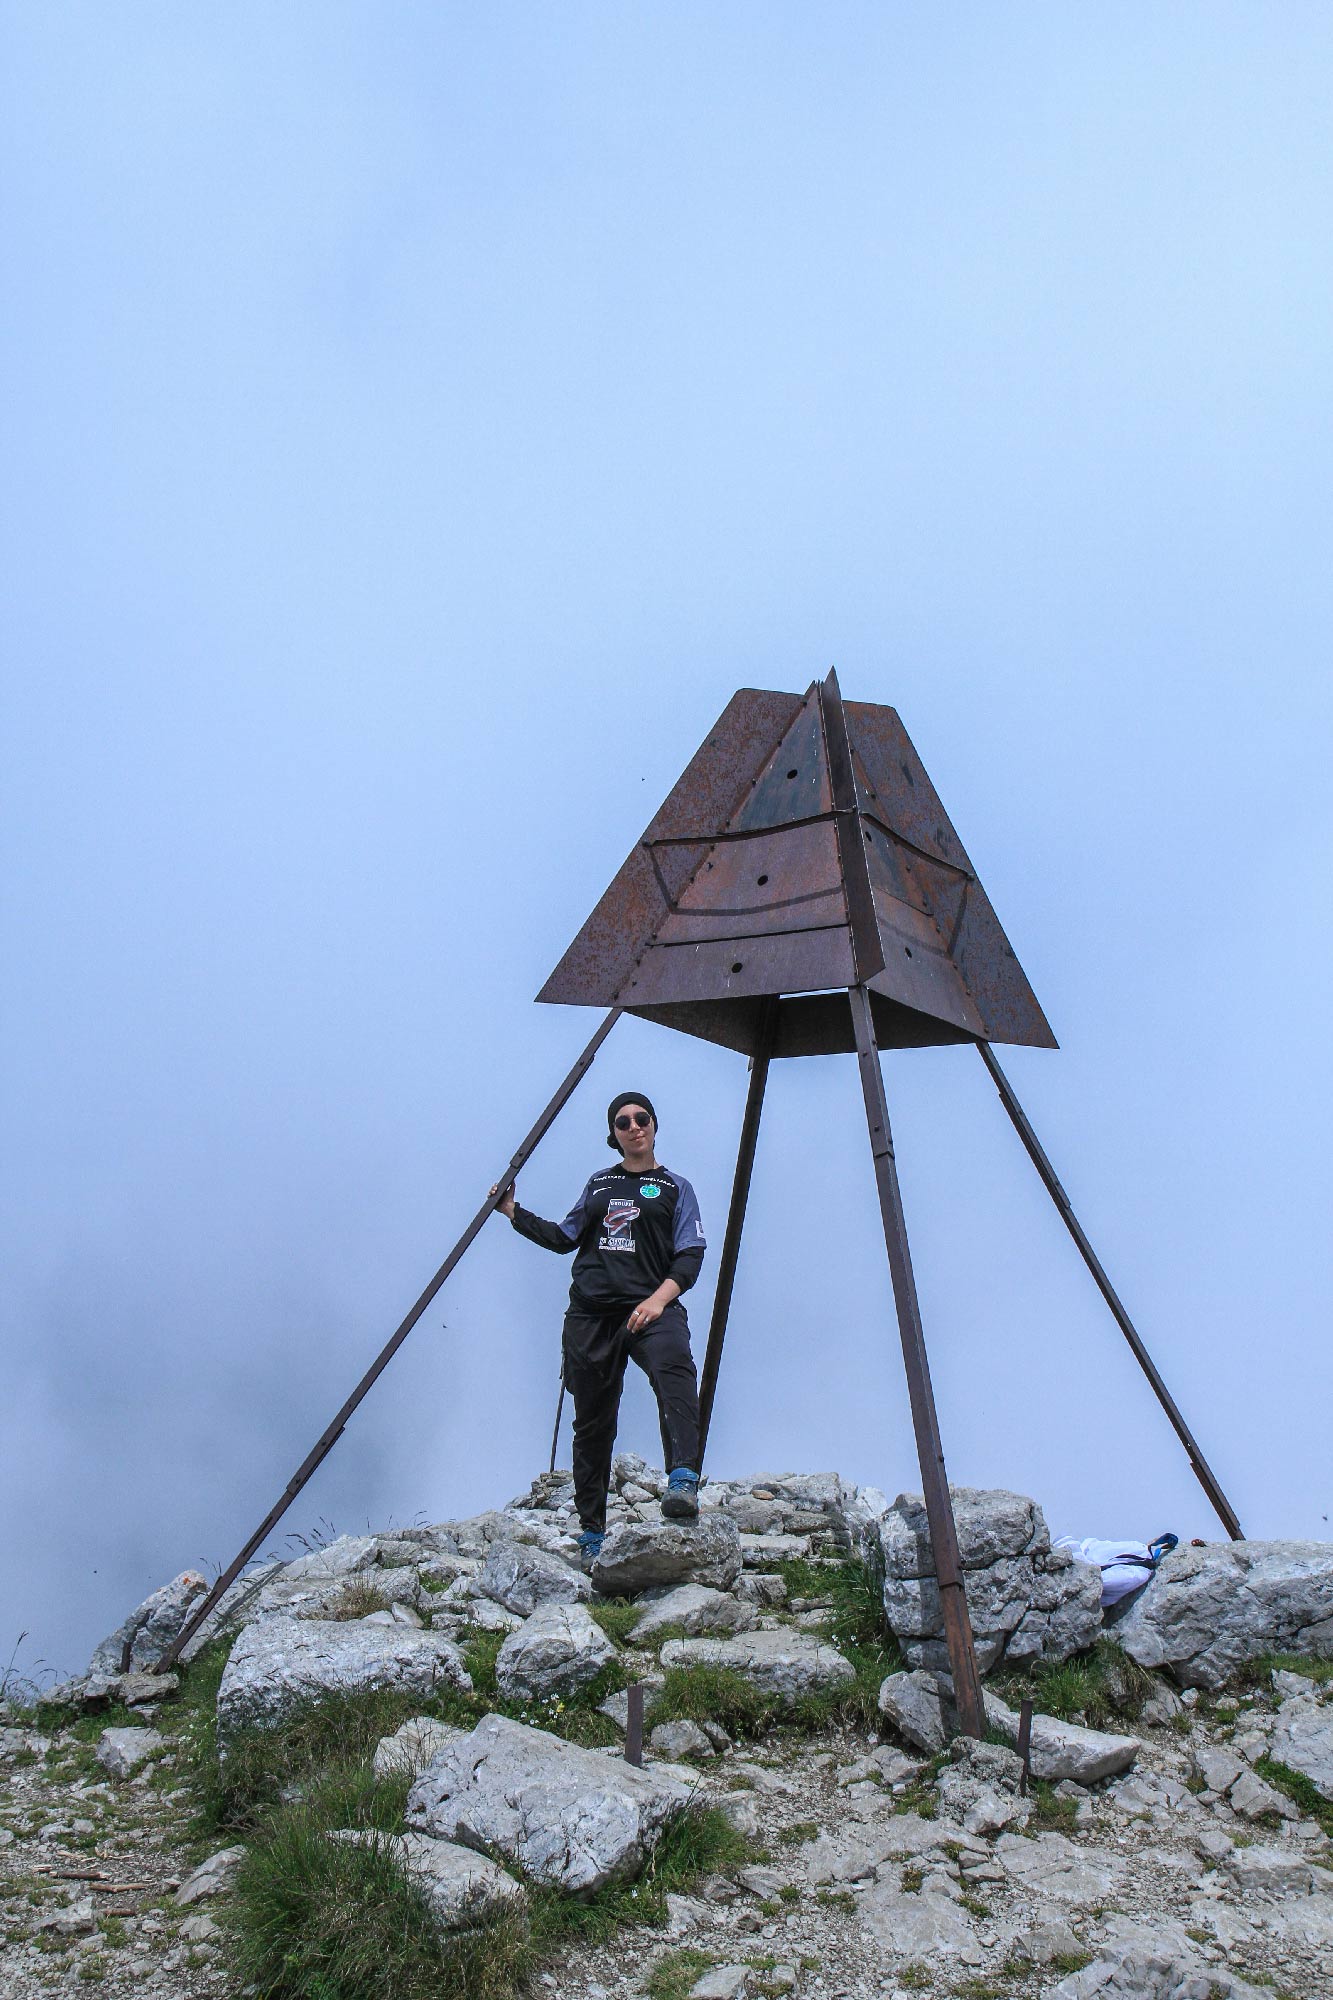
x: 315, y: 1458
x: 555, y: 1434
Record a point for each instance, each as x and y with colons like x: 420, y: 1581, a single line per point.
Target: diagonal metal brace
x: 1207, y: 1478
x: 324, y: 1445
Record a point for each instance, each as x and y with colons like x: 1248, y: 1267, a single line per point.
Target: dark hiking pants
x: 596, y: 1349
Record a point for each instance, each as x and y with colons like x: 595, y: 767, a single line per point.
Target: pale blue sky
x: 417, y: 421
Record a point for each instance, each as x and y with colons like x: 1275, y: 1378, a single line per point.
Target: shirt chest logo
x: 620, y: 1215
x: 650, y: 1190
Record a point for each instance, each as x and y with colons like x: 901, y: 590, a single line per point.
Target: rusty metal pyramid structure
x: 743, y: 888
x: 801, y: 892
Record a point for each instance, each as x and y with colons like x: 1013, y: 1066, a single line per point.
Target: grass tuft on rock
x: 1299, y: 1788
x: 617, y: 1617
x: 1102, y: 1686
x: 713, y: 1694
x: 319, y: 1919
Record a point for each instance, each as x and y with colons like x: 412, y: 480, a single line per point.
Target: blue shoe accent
x: 680, y: 1502
x: 590, y: 1546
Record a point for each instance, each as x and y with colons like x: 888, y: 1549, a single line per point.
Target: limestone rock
x: 1066, y: 1749
x: 645, y: 1555
x: 556, y: 1652
x: 914, y: 1705
x: 459, y: 1885
x: 680, y: 1739
x: 925, y: 1923
x: 524, y: 1578
x: 282, y: 1664
x: 121, y: 1751
x: 1147, y: 1972
x: 150, y: 1628
x: 1303, y: 1739
x: 21, y: 1742
x: 1208, y: 1611
x: 489, y: 1616
x: 211, y: 1878
x: 696, y: 1610
x: 979, y: 1787
x: 1053, y: 1866
x: 1253, y: 1799
x: 786, y: 1665
x: 1027, y: 1601
x: 132, y: 1690
x: 570, y: 1818
x: 1273, y: 1871
x: 919, y: 1705
x: 723, y: 1982
x: 1217, y: 1767
x: 413, y: 1745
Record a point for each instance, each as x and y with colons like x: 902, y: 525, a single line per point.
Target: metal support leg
x: 731, y: 1241
x: 312, y: 1462
x: 1204, y: 1472
x: 930, y: 1452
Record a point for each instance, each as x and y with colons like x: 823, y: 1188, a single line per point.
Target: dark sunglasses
x: 628, y: 1118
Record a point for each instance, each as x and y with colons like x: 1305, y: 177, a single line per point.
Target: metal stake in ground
x: 329, y: 1437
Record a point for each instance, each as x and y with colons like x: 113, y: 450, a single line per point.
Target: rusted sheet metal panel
x: 770, y: 883
x: 936, y: 875
x: 794, y: 782
x: 739, y: 889
x: 727, y: 968
x: 717, y: 778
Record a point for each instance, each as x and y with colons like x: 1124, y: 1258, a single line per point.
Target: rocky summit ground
x: 395, y: 1766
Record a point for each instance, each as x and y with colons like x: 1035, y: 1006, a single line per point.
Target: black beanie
x: 618, y: 1104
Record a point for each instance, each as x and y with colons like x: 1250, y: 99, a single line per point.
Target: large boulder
x: 1303, y: 1739
x: 694, y: 1610
x: 554, y: 1654
x: 1027, y: 1601
x: 1065, y: 1749
x: 283, y: 1664
x: 645, y: 1555
x: 459, y: 1886
x: 523, y: 1578
x: 571, y: 1819
x: 150, y: 1628
x: 785, y: 1665
x: 1208, y: 1611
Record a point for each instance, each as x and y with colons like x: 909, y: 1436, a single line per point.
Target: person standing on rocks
x: 638, y: 1243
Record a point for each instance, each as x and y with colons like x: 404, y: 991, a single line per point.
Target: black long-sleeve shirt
x: 629, y: 1232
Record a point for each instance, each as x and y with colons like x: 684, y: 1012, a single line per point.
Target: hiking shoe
x: 680, y: 1502
x: 590, y: 1546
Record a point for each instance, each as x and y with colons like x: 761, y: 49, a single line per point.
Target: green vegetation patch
x: 617, y: 1617
x: 1102, y: 1685
x: 320, y: 1919
x: 1050, y: 1814
x: 1298, y: 1788
x: 675, y: 1973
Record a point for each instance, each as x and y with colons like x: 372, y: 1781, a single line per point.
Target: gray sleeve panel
x: 688, y: 1230
x: 562, y: 1237
x: 578, y: 1215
